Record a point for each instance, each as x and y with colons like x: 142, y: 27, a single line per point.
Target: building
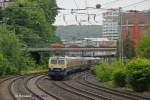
x: 91, y: 42
x: 131, y: 23
x: 98, y: 42
x: 134, y: 23
x: 111, y: 24
x: 73, y: 43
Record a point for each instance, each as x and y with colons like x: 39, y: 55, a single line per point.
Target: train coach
x: 59, y: 67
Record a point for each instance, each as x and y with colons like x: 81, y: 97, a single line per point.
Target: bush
x: 139, y: 74
x: 11, y: 70
x: 3, y: 64
x: 92, y: 69
x: 119, y: 78
x: 104, y: 70
x: 143, y: 46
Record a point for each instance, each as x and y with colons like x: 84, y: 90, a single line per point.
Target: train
x: 59, y: 67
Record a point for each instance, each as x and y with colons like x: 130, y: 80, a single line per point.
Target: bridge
x: 104, y: 53
x: 90, y: 52
x: 69, y: 49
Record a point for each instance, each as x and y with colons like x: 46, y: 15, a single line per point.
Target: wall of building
x: 134, y: 23
x: 111, y: 24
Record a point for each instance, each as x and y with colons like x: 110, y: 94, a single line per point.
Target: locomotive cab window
x: 53, y: 61
x: 61, y: 61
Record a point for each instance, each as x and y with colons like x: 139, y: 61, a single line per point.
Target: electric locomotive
x: 62, y: 66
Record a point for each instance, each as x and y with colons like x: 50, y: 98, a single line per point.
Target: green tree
x: 143, y: 47
x: 9, y: 43
x: 31, y: 20
x: 138, y: 74
x: 26, y: 23
x: 128, y: 47
x: 10, y: 48
x: 49, y: 7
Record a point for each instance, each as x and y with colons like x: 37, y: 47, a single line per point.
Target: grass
x: 34, y: 70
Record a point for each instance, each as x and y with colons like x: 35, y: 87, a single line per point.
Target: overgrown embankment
x: 24, y: 24
x: 135, y: 74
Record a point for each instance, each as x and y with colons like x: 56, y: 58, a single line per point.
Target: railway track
x: 33, y: 94
x: 75, y: 87
x: 89, y: 83
x: 35, y: 88
x: 5, y: 85
x: 23, y: 88
x: 11, y: 88
x: 18, y: 88
x: 32, y: 90
x: 95, y: 96
x: 93, y: 92
x: 73, y: 91
x: 46, y: 92
x: 64, y: 93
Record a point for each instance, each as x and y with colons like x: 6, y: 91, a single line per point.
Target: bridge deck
x: 69, y: 49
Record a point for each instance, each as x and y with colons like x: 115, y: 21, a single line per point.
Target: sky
x: 95, y: 15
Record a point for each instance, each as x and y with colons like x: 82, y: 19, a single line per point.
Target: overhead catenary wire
x: 87, y: 8
x: 77, y: 11
x: 110, y: 2
x: 137, y: 3
x: 76, y: 4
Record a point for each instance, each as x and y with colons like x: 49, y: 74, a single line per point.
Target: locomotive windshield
x: 57, y: 61
x: 60, y: 61
x: 53, y: 61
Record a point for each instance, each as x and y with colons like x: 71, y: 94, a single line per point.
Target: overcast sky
x: 66, y: 18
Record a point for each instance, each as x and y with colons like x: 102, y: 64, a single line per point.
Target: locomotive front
x: 57, y: 67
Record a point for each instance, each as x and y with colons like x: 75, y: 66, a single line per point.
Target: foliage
x: 119, y: 78
x: 25, y: 23
x: 3, y: 64
x: 139, y: 74
x: 9, y: 43
x: 45, y: 56
x: 128, y: 47
x: 12, y: 58
x: 49, y: 7
x: 104, y: 71
x: 143, y: 47
x: 30, y: 21
x: 136, y: 73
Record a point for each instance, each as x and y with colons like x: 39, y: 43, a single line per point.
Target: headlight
x: 63, y: 69
x: 51, y: 68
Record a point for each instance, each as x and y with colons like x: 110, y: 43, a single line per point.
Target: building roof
x: 97, y: 39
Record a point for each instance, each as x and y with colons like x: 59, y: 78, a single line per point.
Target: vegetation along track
x: 87, y: 80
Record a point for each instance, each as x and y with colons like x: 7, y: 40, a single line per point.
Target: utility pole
x: 121, y: 55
